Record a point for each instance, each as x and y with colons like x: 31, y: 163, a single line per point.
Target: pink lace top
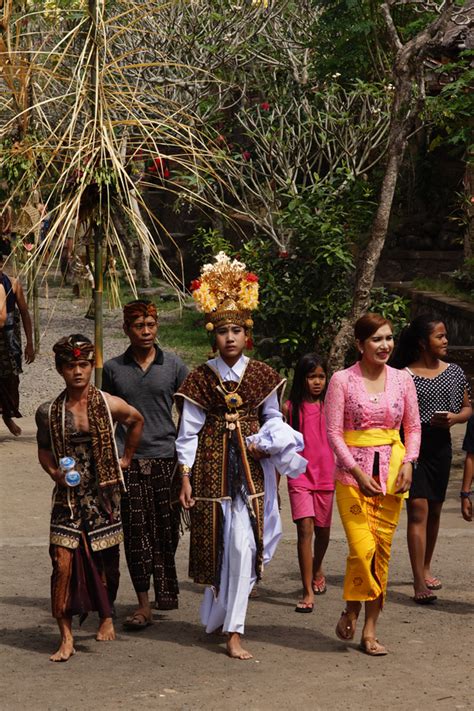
x: 349, y: 406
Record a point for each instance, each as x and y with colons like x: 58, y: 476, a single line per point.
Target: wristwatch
x: 465, y: 494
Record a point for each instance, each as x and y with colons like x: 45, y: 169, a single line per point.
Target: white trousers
x: 229, y: 608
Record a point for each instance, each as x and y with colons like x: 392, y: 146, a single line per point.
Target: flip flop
x: 138, y: 621
x: 319, y: 585
x: 433, y: 583
x: 304, y: 607
x: 424, y: 598
x: 372, y: 647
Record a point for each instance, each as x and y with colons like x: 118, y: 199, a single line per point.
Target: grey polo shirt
x: 151, y: 393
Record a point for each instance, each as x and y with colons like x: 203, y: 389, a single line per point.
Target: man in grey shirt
x: 147, y: 378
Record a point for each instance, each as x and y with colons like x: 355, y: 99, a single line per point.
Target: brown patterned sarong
x: 222, y: 469
x: 151, y: 529
x: 83, y: 581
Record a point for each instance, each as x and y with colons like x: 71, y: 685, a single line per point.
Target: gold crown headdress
x: 226, y: 292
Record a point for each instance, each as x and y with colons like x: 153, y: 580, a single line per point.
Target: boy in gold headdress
x: 222, y: 403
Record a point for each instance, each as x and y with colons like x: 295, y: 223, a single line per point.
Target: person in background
x: 366, y: 405
x: 13, y: 307
x: 312, y: 493
x: 147, y: 377
x: 443, y: 398
x: 468, y: 447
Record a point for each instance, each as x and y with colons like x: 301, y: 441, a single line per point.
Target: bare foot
x: 12, y: 426
x: 106, y: 631
x: 235, y: 649
x: 65, y: 651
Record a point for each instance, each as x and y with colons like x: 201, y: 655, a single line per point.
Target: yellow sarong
x: 377, y: 438
x: 369, y: 523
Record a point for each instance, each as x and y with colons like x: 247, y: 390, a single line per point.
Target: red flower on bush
x: 265, y: 106
x: 160, y: 166
x: 246, y: 155
x: 195, y: 285
x: 251, y: 277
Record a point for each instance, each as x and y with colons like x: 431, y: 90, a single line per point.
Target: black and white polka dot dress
x: 443, y: 393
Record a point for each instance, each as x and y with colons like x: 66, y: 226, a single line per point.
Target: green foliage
x: 350, y: 40
x: 452, y: 110
x: 306, y: 289
x: 394, y: 307
x: 205, y: 243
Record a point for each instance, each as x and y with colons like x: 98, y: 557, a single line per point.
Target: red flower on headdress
x: 251, y: 277
x: 283, y: 254
x: 76, y: 352
x: 265, y: 106
x: 195, y: 285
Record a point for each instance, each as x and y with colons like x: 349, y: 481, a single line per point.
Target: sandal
x: 137, y: 621
x: 372, y: 647
x: 433, y: 583
x: 304, y: 607
x: 345, y: 632
x: 319, y: 585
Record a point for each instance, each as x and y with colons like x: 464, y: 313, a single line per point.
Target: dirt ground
x: 175, y: 665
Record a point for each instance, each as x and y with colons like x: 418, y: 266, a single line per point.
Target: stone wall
x: 408, y: 264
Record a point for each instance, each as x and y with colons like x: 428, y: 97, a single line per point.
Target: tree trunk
x: 144, y: 251
x: 469, y: 210
x: 369, y: 259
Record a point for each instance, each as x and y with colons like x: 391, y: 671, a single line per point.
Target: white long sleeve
x: 192, y: 421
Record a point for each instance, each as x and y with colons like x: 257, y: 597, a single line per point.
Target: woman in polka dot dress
x: 443, y: 399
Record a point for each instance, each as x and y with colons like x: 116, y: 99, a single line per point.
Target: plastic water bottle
x: 72, y: 476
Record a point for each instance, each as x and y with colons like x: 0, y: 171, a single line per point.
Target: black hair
x: 412, y: 336
x: 299, y: 391
x: 5, y: 248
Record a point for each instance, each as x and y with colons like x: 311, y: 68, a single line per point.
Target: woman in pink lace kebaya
x: 365, y: 406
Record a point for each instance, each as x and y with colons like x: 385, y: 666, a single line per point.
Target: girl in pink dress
x: 311, y: 494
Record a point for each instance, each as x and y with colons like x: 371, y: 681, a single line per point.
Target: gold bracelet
x: 184, y: 470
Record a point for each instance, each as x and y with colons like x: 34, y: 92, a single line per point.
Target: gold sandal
x: 372, y: 647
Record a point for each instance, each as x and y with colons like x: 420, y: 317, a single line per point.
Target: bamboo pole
x: 98, y: 305
x: 95, y: 9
